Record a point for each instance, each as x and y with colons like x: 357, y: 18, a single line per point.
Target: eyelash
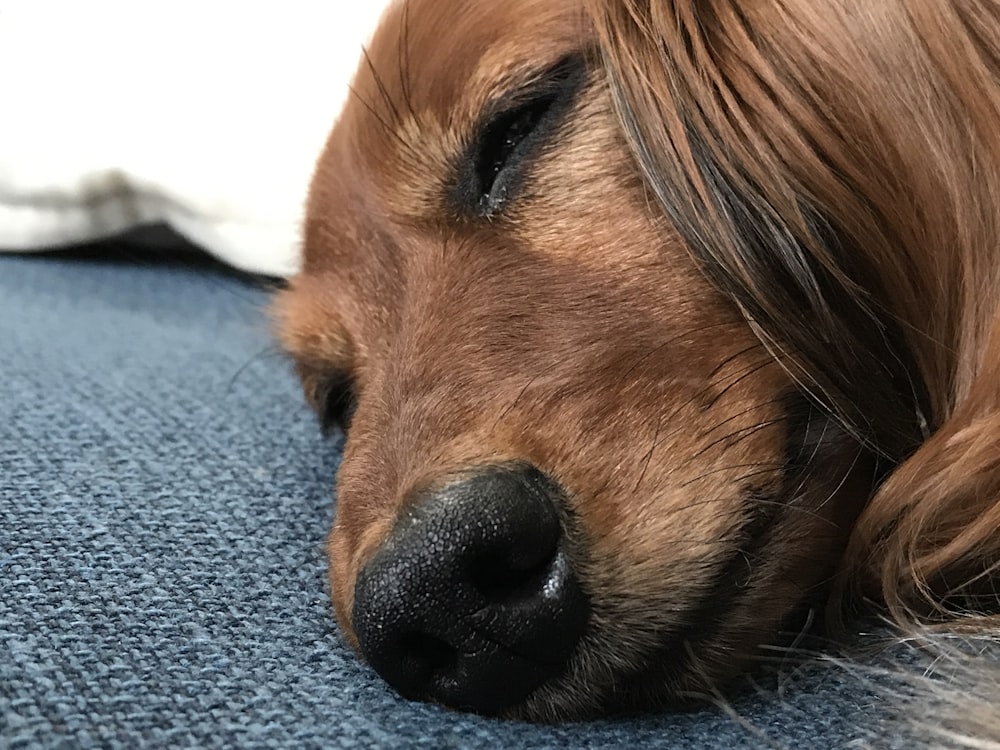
x: 488, y: 175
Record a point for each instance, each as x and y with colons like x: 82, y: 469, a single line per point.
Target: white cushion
x: 206, y: 115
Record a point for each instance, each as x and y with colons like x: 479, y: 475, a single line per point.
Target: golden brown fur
x: 742, y: 304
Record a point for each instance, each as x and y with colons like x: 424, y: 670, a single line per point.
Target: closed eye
x: 499, y: 145
x: 511, y: 135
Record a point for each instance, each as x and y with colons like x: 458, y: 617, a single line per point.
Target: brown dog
x: 646, y: 319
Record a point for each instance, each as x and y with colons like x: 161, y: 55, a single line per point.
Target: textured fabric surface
x: 164, y: 498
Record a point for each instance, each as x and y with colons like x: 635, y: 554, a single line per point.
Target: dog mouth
x: 487, y: 596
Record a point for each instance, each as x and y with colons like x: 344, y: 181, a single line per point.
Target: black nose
x: 471, y: 602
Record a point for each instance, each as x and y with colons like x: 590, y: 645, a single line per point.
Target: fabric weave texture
x: 164, y: 500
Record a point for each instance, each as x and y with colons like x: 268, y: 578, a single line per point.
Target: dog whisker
x: 272, y: 351
x: 697, y: 307
x: 385, y: 124
x: 649, y: 455
x: 383, y: 91
x: 733, y: 438
x: 761, y: 469
x: 403, y: 54
x: 670, y: 342
x: 517, y: 399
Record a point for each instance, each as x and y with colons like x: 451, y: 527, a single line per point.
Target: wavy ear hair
x: 835, y: 170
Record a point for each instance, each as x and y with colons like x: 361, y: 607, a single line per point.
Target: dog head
x: 623, y: 331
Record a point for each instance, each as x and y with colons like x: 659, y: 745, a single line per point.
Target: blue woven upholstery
x: 164, y: 498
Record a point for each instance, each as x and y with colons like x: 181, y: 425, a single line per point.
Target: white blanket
x: 208, y: 115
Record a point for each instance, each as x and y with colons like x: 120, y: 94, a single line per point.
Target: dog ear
x: 728, y: 143
x: 927, y: 544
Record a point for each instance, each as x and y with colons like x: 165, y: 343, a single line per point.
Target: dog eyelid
x: 500, y: 141
x: 511, y: 130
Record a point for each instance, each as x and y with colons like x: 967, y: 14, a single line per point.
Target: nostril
x: 472, y: 600
x: 426, y: 655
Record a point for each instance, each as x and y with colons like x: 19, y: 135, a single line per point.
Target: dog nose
x: 471, y: 602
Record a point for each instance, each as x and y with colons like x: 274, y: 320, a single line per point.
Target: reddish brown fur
x: 611, y: 326
x: 881, y: 116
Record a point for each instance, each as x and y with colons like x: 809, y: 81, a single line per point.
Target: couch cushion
x: 164, y: 499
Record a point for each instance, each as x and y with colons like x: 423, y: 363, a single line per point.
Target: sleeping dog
x: 654, y: 324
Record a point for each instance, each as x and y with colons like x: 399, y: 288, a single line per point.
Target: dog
x: 653, y: 326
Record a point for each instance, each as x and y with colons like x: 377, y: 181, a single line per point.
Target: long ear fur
x: 834, y: 169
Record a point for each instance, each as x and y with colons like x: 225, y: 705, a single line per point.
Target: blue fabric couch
x: 164, y: 499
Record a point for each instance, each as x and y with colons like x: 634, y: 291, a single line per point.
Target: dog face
x: 575, y: 479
